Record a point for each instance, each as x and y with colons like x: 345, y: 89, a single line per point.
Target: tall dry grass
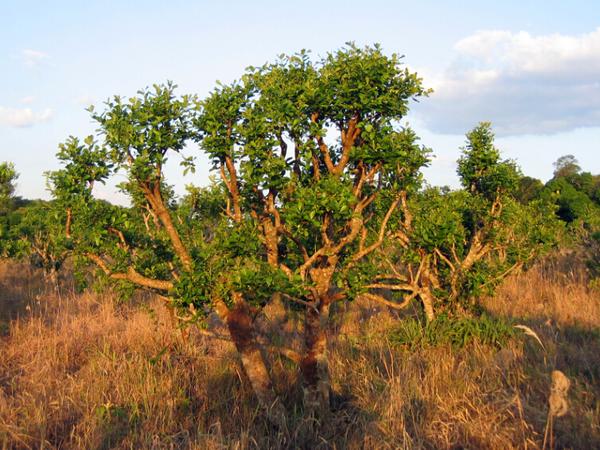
x: 83, y: 371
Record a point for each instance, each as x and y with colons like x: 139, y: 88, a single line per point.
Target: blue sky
x: 531, y: 67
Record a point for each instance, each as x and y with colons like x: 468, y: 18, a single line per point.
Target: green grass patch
x: 455, y: 332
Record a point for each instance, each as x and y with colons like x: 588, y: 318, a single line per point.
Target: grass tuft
x: 457, y: 333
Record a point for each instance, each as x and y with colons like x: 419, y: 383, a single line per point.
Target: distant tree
x: 528, y: 189
x: 8, y: 177
x: 574, y: 204
x: 595, y: 190
x: 566, y: 165
x: 36, y: 232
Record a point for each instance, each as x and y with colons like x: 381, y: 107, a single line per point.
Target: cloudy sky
x: 530, y: 67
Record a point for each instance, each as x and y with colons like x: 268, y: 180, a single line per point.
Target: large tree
x: 309, y: 152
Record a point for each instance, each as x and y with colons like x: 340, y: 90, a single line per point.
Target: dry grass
x: 82, y: 371
x: 555, y: 290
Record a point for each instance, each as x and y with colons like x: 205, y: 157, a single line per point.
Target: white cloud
x: 27, y: 100
x: 23, y: 117
x: 524, y: 84
x: 33, y: 58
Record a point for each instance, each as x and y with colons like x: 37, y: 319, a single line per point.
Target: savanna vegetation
x: 318, y: 293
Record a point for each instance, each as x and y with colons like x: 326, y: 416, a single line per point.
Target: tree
x: 319, y: 201
x: 85, y: 163
x: 8, y: 177
x: 314, y: 167
x: 566, y: 165
x: 450, y: 245
x: 36, y: 231
x: 529, y: 189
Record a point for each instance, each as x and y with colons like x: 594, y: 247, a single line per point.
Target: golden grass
x: 555, y: 290
x: 83, y: 371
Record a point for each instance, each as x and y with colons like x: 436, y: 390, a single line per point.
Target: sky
x: 532, y: 68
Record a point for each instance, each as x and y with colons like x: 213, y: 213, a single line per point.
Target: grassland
x: 83, y: 370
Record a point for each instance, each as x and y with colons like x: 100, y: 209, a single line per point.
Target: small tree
x: 36, y: 230
x: 451, y: 244
x: 8, y: 177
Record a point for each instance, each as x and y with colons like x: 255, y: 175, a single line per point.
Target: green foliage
x: 37, y: 231
x: 195, y: 290
x: 141, y: 130
x: 455, y: 246
x: 573, y: 204
x: 8, y: 177
x: 480, y: 169
x: 455, y: 332
x: 290, y: 140
x: 364, y: 80
x: 529, y: 189
x: 85, y: 163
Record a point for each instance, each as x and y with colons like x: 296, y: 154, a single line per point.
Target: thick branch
x: 233, y: 188
x: 299, y: 301
x: 348, y: 139
x: 323, y: 147
x: 131, y: 275
x: 155, y: 199
x: 384, y: 301
x: 381, y: 235
x: 392, y: 287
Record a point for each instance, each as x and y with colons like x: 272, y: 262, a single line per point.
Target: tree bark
x: 155, y: 199
x: 241, y: 328
x: 314, y: 365
x: 427, y: 299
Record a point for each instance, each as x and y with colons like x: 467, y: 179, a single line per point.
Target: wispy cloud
x: 524, y: 84
x: 85, y: 100
x: 23, y: 117
x: 28, y: 100
x: 33, y: 58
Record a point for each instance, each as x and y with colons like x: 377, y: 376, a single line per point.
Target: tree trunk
x: 314, y: 365
x: 427, y: 299
x: 241, y: 328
